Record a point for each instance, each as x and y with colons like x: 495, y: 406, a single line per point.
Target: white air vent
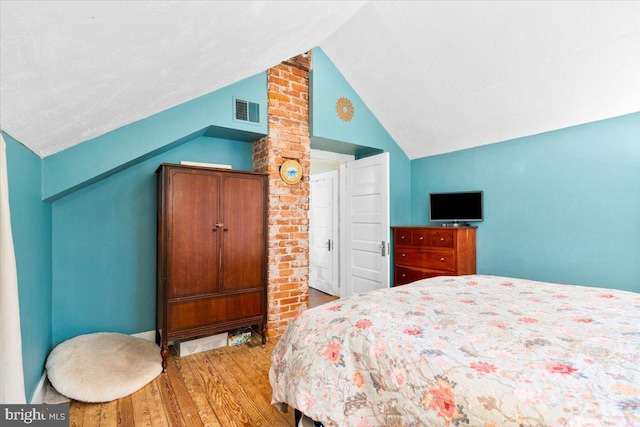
x: 246, y: 111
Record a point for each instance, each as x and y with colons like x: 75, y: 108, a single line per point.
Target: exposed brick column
x: 288, y: 118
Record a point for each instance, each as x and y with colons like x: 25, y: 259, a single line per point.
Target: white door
x: 365, y: 237
x: 323, y: 233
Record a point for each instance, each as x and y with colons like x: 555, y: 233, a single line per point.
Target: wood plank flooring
x: 218, y: 388
x: 317, y: 298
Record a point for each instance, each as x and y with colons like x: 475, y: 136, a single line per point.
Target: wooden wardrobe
x: 212, y: 252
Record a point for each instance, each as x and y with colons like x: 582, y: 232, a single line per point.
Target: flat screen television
x: 457, y: 208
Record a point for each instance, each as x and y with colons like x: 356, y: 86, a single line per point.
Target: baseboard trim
x: 147, y: 335
x: 41, y: 390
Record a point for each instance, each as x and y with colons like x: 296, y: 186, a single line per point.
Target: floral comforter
x: 476, y: 351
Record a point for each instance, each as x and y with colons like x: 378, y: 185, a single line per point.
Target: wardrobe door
x: 244, y: 233
x: 192, y: 250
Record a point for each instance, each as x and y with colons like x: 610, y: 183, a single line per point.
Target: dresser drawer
x: 209, y: 311
x: 411, y: 256
x: 432, y: 258
x: 402, y: 237
x: 404, y: 275
x: 421, y: 238
x: 442, y: 238
x: 442, y: 260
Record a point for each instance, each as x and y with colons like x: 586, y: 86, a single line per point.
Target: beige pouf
x: 103, y: 366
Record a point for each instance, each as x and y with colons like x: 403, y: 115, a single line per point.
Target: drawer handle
x: 404, y: 275
x: 421, y: 237
x: 442, y: 239
x: 401, y: 237
x: 403, y: 254
x: 442, y: 259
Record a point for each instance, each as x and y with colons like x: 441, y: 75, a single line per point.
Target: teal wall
x: 327, y: 85
x: 104, y: 212
x: 31, y: 229
x: 83, y: 219
x: 104, y: 244
x: 211, y: 114
x: 562, y: 206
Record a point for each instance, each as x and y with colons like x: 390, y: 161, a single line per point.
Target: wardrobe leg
x: 164, y: 351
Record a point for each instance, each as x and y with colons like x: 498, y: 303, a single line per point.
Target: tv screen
x: 459, y: 207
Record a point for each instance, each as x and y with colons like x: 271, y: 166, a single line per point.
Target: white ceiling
x: 440, y: 76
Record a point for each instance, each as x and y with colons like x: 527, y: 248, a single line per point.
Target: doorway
x: 324, y: 220
x: 348, y: 223
x: 323, y: 233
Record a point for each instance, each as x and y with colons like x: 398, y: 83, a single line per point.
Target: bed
x: 481, y: 351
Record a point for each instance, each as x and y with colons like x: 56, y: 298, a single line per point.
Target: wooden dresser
x: 212, y: 252
x: 422, y: 252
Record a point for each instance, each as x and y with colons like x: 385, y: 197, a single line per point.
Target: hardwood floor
x: 317, y: 298
x: 223, y: 387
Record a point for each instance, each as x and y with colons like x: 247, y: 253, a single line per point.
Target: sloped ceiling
x: 443, y: 76
x: 440, y: 76
x: 73, y: 70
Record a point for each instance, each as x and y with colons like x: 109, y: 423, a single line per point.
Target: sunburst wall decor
x: 344, y: 108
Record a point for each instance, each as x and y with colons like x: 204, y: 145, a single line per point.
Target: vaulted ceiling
x: 440, y: 76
